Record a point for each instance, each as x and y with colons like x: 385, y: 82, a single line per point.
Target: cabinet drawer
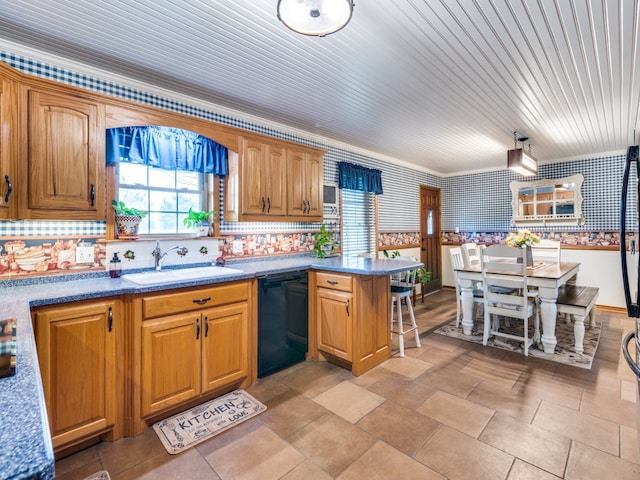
x: 334, y: 281
x: 189, y: 300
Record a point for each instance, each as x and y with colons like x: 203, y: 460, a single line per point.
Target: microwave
x: 331, y: 201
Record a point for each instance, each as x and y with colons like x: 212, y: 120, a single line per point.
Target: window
x: 358, y: 223
x: 167, y: 195
x: 165, y: 171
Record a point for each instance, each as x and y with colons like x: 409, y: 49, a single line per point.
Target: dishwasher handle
x: 274, y: 281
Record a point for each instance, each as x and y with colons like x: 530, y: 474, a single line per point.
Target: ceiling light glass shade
x: 522, y: 162
x: 315, y: 17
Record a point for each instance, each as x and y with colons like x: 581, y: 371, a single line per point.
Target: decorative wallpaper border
x: 586, y: 239
x: 398, y: 240
x: 269, y: 244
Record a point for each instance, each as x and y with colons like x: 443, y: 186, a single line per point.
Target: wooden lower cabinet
x: 351, y: 318
x: 225, y: 346
x: 335, y: 325
x: 170, y: 352
x: 187, y: 354
x: 77, y: 352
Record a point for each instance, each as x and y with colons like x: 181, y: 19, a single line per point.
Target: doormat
x: 564, y: 351
x: 101, y: 475
x: 189, y: 428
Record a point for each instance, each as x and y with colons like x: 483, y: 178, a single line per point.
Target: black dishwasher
x: 282, y: 321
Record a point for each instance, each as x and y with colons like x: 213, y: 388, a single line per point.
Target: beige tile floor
x: 450, y: 409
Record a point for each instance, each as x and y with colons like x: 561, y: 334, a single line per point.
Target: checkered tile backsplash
x: 29, y: 228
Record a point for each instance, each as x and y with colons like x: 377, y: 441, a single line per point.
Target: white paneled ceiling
x: 441, y: 84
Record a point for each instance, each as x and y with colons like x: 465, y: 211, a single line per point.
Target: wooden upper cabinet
x: 266, y: 176
x: 65, y: 157
x: 304, y: 174
x: 8, y: 149
x: 275, y: 179
x: 264, y: 171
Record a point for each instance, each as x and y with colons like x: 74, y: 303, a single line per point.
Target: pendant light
x: 315, y: 17
x: 520, y: 161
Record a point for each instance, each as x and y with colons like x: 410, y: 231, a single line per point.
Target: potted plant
x: 423, y: 276
x: 323, y: 242
x: 198, y: 220
x: 127, y: 220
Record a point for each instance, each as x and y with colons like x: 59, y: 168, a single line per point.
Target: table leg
x: 578, y: 332
x: 466, y: 295
x: 548, y: 314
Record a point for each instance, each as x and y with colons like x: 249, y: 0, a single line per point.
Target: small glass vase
x: 529, y: 256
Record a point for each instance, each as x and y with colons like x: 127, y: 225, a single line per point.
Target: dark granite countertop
x: 25, y: 445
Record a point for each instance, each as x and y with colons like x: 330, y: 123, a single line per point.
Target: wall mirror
x: 547, y: 202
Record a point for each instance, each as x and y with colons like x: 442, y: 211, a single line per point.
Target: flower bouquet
x: 523, y: 239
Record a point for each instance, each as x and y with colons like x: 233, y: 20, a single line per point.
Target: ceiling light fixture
x: 315, y: 17
x: 520, y: 161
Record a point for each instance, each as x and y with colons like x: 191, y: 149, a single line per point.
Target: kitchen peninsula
x: 27, y: 450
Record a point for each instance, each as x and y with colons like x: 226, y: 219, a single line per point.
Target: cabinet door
x: 304, y: 192
x: 275, y: 177
x: 253, y: 188
x: 334, y: 323
x: 296, y: 198
x: 65, y: 157
x: 170, y: 361
x: 77, y: 354
x: 8, y: 149
x: 225, y: 345
x: 313, y: 185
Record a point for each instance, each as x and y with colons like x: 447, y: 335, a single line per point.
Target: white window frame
x: 359, y: 232
x: 205, y: 192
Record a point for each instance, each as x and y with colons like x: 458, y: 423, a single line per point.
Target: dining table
x: 547, y: 277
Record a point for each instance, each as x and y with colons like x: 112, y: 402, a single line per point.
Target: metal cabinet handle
x: 197, y: 329
x: 202, y: 301
x: 348, y: 314
x: 332, y: 282
x: 268, y: 204
x: 206, y: 326
x: 93, y: 195
x: 308, y: 206
x: 9, y: 188
x: 263, y: 205
x: 110, y: 319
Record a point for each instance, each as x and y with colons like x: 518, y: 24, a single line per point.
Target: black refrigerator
x: 630, y: 217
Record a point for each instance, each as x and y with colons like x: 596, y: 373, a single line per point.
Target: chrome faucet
x: 159, y: 256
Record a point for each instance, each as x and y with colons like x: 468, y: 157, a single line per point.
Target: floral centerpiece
x: 523, y: 239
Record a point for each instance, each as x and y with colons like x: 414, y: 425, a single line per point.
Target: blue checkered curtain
x: 357, y: 177
x: 166, y: 148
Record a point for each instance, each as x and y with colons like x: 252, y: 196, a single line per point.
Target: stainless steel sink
x: 169, y: 276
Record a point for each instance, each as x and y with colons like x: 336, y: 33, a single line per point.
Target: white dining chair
x: 547, y: 251
x: 457, y: 262
x: 500, y: 271
x: 471, y: 253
